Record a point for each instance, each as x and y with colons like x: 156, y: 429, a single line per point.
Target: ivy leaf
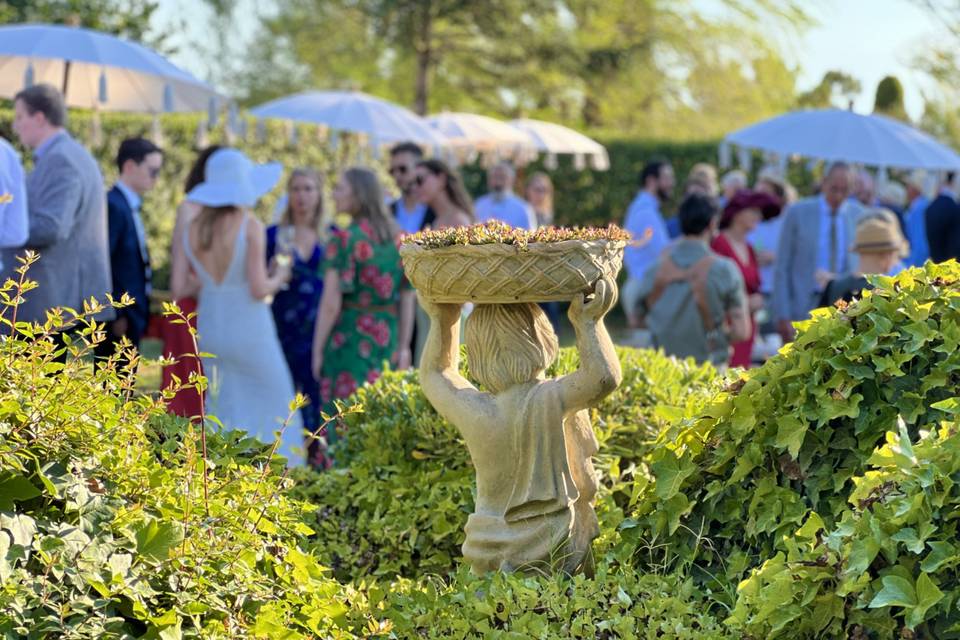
x: 897, y: 592
x: 670, y: 473
x: 940, y: 554
x: 155, y: 539
x: 15, y: 488
x: 928, y: 594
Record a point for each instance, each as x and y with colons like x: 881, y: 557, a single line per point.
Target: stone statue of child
x: 529, y: 437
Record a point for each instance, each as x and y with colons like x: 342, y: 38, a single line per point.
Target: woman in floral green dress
x: 367, y: 307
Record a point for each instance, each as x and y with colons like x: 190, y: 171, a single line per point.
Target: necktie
x: 834, y: 253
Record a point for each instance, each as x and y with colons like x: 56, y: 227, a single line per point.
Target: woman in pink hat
x: 741, y: 215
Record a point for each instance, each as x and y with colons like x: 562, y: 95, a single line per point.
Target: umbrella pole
x: 66, y: 78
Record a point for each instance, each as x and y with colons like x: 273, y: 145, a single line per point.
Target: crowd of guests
x: 304, y: 305
x: 742, y: 264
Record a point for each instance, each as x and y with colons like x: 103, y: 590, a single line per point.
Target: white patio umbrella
x: 471, y: 132
x: 554, y: 139
x: 381, y: 121
x: 98, y: 71
x: 835, y: 135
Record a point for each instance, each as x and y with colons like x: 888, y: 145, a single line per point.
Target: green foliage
x: 400, y: 499
x: 114, y: 525
x: 836, y: 89
x: 889, y: 99
x: 783, y: 453
x: 651, y: 69
x: 617, y: 603
x: 891, y: 560
x: 127, y: 18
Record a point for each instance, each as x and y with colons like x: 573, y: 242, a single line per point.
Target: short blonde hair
x: 509, y: 344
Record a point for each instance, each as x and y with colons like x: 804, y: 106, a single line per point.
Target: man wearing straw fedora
x: 879, y: 245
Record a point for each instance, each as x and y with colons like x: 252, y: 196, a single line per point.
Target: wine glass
x: 285, y: 247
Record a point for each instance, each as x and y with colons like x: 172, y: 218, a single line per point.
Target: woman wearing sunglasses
x: 441, y: 189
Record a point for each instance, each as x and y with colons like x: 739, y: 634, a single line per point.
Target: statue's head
x: 509, y: 344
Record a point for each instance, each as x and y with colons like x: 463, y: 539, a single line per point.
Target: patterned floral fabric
x: 365, y: 336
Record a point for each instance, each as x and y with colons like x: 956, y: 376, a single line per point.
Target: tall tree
x: 650, y: 66
x: 889, y: 99
x: 128, y: 18
x: 836, y: 89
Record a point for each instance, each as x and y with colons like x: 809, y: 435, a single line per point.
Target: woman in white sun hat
x: 249, y: 383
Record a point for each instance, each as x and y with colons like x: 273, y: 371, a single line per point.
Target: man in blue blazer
x: 814, y: 247
x: 138, y: 162
x: 942, y: 219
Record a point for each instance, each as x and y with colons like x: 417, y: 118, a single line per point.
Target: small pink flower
x: 366, y: 228
x: 345, y: 385
x: 369, y: 275
x: 384, y: 286
x: 372, y: 376
x: 381, y: 334
x: 364, y: 349
x: 331, y: 251
x: 339, y: 339
x: 362, y: 251
x: 326, y: 385
x: 365, y: 324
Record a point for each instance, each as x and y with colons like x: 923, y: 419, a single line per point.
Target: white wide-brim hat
x: 232, y: 179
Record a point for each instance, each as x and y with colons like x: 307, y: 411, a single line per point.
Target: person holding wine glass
x: 296, y: 242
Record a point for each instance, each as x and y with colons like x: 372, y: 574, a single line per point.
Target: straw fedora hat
x: 232, y: 179
x: 879, y: 235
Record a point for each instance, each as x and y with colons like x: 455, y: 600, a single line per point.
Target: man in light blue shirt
x: 650, y: 238
x: 501, y: 203
x: 14, y: 227
x: 411, y: 214
x: 914, y: 220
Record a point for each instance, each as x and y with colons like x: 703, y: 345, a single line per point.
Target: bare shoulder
x: 254, y: 227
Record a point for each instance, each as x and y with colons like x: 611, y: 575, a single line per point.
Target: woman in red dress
x: 178, y: 343
x: 741, y: 216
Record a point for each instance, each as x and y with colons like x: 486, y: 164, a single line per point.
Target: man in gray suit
x: 66, y: 211
x: 814, y: 248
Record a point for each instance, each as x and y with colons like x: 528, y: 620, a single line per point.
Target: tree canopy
x: 644, y: 67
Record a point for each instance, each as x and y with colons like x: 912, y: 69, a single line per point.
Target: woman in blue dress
x: 299, y: 239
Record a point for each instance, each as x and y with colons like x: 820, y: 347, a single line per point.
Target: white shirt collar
x: 133, y: 198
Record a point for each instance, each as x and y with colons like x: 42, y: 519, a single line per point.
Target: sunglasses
x: 154, y: 172
x: 398, y: 170
x: 419, y: 180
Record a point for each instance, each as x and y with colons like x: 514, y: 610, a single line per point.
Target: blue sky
x: 865, y: 38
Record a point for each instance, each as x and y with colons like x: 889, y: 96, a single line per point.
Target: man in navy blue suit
x: 139, y: 162
x: 943, y: 223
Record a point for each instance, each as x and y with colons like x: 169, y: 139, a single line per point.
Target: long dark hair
x: 198, y: 170
x: 455, y: 189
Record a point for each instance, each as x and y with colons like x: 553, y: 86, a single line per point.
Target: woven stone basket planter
x: 505, y: 273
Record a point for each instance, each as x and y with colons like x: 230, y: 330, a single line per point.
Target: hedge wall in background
x: 582, y: 196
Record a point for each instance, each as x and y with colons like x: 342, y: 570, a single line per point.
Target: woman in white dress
x: 249, y: 383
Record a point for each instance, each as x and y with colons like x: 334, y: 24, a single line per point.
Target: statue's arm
x: 450, y: 393
x: 599, y: 372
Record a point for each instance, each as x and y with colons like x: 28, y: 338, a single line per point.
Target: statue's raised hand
x: 592, y: 307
